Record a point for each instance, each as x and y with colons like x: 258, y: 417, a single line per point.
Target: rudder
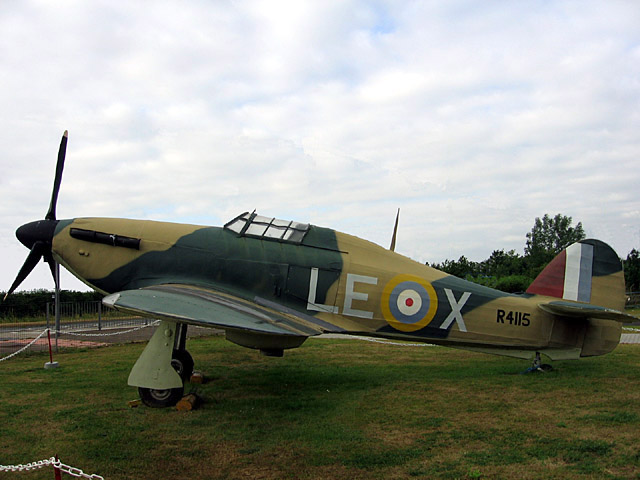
x: 588, y: 271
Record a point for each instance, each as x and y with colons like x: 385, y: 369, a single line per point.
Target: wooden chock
x: 197, y: 377
x: 187, y: 403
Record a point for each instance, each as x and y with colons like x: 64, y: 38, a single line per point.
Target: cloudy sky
x: 472, y: 117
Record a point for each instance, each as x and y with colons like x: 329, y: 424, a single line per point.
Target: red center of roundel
x: 408, y: 302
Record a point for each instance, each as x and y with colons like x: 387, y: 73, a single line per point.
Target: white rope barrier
x: 74, y: 472
x: 78, y: 334
x: 25, y: 347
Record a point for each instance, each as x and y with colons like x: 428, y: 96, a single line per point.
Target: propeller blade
x: 48, y: 257
x: 51, y: 214
x: 39, y: 249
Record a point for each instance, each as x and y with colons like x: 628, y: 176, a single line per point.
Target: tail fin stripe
x: 578, y: 271
x: 589, y: 272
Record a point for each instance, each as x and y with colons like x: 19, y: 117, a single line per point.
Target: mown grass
x: 339, y: 409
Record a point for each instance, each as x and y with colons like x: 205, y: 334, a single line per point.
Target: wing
x: 210, y: 308
x: 583, y: 310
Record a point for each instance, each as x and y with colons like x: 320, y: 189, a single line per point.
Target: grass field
x: 340, y: 409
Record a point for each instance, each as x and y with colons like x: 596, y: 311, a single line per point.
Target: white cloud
x: 474, y: 118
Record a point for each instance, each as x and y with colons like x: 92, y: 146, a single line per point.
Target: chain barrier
x: 25, y: 347
x: 73, y: 471
x: 78, y: 334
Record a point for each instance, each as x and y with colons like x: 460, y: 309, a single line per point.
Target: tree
x: 32, y: 303
x: 632, y: 271
x: 513, y: 283
x: 502, y: 264
x: 548, y: 237
x: 510, y: 272
x: 461, y: 268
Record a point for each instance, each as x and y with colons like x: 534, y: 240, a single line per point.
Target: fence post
x: 57, y: 302
x: 99, y: 315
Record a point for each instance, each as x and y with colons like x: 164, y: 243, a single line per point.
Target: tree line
x: 511, y: 272
x: 32, y: 303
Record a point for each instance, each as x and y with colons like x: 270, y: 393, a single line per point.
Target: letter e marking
x: 350, y: 295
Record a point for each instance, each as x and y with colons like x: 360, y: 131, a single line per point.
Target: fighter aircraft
x: 270, y: 284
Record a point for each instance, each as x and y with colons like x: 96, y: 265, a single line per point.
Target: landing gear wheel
x: 160, y: 398
x: 182, y: 362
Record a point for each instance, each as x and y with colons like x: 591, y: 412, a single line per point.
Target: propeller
x: 38, y: 236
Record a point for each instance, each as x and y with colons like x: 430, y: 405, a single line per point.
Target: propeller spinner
x: 38, y: 236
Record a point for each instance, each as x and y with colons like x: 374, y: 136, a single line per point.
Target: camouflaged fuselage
x: 353, y: 285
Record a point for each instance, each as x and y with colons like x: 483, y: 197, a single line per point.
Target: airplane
x: 270, y: 284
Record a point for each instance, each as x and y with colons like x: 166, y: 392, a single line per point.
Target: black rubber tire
x: 545, y: 367
x: 182, y: 362
x: 160, y: 398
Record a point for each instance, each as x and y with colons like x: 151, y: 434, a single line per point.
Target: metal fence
x: 80, y: 324
x: 88, y: 315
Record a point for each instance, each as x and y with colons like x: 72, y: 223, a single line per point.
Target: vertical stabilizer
x: 588, y: 271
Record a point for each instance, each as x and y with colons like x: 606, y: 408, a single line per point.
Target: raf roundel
x: 408, y: 303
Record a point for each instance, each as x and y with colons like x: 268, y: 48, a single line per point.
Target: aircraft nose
x: 38, y: 231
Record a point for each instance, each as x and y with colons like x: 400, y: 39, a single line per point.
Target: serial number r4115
x: 514, y: 318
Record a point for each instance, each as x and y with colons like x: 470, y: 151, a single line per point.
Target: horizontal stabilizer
x: 581, y: 310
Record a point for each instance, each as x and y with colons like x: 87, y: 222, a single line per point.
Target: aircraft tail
x: 588, y: 271
x: 588, y: 281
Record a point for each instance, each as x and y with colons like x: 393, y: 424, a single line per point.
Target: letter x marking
x: 456, y: 308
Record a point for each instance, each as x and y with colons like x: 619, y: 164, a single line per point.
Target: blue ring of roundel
x: 411, y: 285
x: 393, y: 302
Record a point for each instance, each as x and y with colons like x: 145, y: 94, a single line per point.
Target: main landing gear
x: 538, y: 366
x: 182, y: 363
x: 159, y: 377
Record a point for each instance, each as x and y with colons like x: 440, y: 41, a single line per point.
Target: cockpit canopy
x: 257, y: 226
